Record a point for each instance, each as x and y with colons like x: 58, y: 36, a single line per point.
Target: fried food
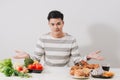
x: 82, y: 62
x: 92, y: 66
x: 82, y: 69
x: 74, y: 68
x: 85, y: 72
x: 107, y: 74
x: 86, y: 65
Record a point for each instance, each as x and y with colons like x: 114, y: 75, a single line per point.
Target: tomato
x: 33, y: 66
x: 39, y: 67
x: 36, y: 66
x: 30, y: 66
x: 19, y: 68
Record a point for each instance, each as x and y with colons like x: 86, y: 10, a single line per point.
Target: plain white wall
x: 94, y: 23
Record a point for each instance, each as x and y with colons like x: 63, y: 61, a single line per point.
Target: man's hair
x: 55, y: 14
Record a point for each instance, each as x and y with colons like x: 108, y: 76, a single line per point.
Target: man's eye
x: 52, y: 24
x: 58, y: 23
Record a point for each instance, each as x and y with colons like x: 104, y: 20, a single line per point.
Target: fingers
x: 18, y: 54
x: 98, y: 51
x: 100, y: 58
x: 16, y: 57
x: 17, y: 51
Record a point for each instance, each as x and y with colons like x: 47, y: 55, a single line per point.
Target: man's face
x: 56, y: 25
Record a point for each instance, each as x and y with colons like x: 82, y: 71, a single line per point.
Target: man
x: 57, y: 47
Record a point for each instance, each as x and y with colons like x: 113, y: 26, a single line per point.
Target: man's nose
x: 56, y: 26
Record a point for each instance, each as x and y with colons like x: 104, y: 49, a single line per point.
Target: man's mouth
x: 57, y: 30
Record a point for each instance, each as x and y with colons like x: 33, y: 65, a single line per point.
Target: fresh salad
x: 8, y: 69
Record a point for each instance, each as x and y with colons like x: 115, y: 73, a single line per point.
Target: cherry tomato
x: 19, y: 68
x: 34, y: 66
x: 39, y: 67
x: 30, y: 66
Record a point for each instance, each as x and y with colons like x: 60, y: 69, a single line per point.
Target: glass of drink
x: 106, y: 67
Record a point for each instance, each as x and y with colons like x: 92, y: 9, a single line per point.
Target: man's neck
x: 57, y: 35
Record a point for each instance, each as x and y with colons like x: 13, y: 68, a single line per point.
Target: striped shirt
x: 57, y: 51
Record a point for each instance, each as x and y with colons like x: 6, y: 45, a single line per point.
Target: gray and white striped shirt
x: 57, y: 51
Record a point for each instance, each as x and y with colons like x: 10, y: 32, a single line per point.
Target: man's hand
x: 95, y: 55
x: 21, y: 54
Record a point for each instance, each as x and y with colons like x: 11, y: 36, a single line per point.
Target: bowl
x: 35, y: 71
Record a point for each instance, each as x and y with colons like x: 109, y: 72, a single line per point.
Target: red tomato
x: 39, y: 67
x: 33, y: 66
x: 19, y: 68
x: 30, y: 66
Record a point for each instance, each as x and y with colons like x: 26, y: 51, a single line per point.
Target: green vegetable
x: 8, y: 71
x: 6, y: 67
x: 1, y: 67
x: 28, y: 61
x: 26, y: 75
x: 4, y: 63
x: 17, y: 73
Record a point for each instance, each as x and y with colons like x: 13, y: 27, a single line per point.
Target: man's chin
x: 57, y: 32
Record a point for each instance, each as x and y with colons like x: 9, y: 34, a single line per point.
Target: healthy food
x: 8, y: 71
x: 6, y: 67
x: 21, y: 74
x: 28, y: 61
x: 35, y: 66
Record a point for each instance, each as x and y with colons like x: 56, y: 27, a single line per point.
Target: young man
x: 57, y: 47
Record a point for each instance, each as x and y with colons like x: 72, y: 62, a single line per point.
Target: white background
x: 94, y: 23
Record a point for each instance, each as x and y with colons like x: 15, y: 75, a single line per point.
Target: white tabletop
x: 58, y: 73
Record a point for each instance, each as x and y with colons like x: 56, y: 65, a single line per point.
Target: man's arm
x: 39, y: 52
x: 75, y: 54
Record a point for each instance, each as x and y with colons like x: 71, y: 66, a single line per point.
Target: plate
x: 100, y: 76
x: 80, y: 77
x: 35, y: 71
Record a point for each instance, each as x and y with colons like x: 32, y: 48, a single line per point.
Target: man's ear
x: 63, y: 22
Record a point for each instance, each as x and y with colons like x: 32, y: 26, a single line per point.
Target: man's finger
x: 17, y: 51
x: 98, y: 51
x: 100, y: 58
x: 16, y: 57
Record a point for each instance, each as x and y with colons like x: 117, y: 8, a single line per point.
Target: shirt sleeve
x: 75, y: 53
x: 39, y: 50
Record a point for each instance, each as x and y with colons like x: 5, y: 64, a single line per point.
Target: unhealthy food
x: 90, y: 66
x: 82, y: 69
x: 80, y: 72
x: 107, y: 74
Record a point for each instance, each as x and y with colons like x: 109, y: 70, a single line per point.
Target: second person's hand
x: 95, y: 55
x: 21, y: 54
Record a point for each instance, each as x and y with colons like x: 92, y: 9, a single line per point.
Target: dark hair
x: 55, y: 14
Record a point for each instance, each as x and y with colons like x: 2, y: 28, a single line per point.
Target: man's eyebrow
x: 54, y: 23
x: 51, y: 23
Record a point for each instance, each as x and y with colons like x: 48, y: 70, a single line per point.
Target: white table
x: 61, y: 73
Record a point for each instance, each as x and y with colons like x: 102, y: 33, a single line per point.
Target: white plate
x: 80, y: 77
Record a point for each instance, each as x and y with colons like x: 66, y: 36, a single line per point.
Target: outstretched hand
x: 21, y: 54
x: 95, y: 55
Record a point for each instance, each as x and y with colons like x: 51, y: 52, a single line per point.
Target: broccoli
x: 8, y: 71
x: 28, y: 61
